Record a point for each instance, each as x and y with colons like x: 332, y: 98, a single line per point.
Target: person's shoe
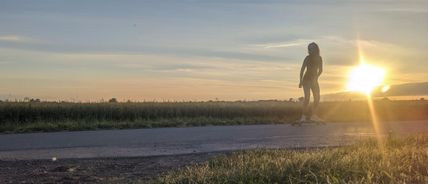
x: 302, y: 119
x: 317, y: 119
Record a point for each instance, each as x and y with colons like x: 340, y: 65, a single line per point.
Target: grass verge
x: 402, y: 160
x: 73, y: 125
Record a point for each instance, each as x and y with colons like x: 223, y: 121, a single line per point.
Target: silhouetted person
x: 309, y: 81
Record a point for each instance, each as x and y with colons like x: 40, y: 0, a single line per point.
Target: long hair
x: 313, y: 49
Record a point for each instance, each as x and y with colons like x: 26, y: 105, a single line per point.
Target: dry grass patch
x: 402, y: 161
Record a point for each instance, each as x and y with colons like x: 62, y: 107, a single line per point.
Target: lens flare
x: 365, y: 78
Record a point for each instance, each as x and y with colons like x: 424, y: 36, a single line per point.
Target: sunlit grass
x: 401, y: 161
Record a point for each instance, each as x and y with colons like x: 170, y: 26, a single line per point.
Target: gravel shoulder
x: 100, y: 170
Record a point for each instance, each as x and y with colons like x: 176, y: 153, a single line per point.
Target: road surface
x: 169, y: 141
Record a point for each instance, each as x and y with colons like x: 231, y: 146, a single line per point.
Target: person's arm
x: 320, y: 68
x: 302, y: 70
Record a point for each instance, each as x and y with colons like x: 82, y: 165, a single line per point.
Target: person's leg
x: 316, y: 92
x: 307, y: 92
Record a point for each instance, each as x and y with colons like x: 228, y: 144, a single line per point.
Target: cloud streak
x: 299, y: 42
x: 15, y: 38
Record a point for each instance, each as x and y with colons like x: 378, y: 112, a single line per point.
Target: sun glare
x: 385, y: 88
x: 364, y: 78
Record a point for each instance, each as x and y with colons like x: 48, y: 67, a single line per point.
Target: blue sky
x: 200, y: 49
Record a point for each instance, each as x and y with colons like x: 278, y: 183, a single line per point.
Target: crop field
x: 55, y: 116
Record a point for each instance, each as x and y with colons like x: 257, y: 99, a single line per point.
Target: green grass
x: 402, y: 161
x: 53, y: 116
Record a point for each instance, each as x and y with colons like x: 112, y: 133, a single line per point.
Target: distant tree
x: 301, y: 99
x: 112, y: 100
x: 291, y: 100
x: 35, y: 100
x: 422, y: 99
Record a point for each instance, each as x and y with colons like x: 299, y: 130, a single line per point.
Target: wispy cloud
x: 232, y: 53
x: 405, y: 10
x: 284, y: 44
x: 15, y: 38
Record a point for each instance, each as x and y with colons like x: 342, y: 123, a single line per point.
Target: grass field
x: 402, y: 160
x: 53, y: 116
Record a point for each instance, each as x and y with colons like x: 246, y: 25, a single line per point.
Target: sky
x: 88, y: 50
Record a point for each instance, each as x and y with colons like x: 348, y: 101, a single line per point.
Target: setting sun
x: 364, y: 78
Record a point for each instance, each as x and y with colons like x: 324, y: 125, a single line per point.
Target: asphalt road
x: 169, y: 141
